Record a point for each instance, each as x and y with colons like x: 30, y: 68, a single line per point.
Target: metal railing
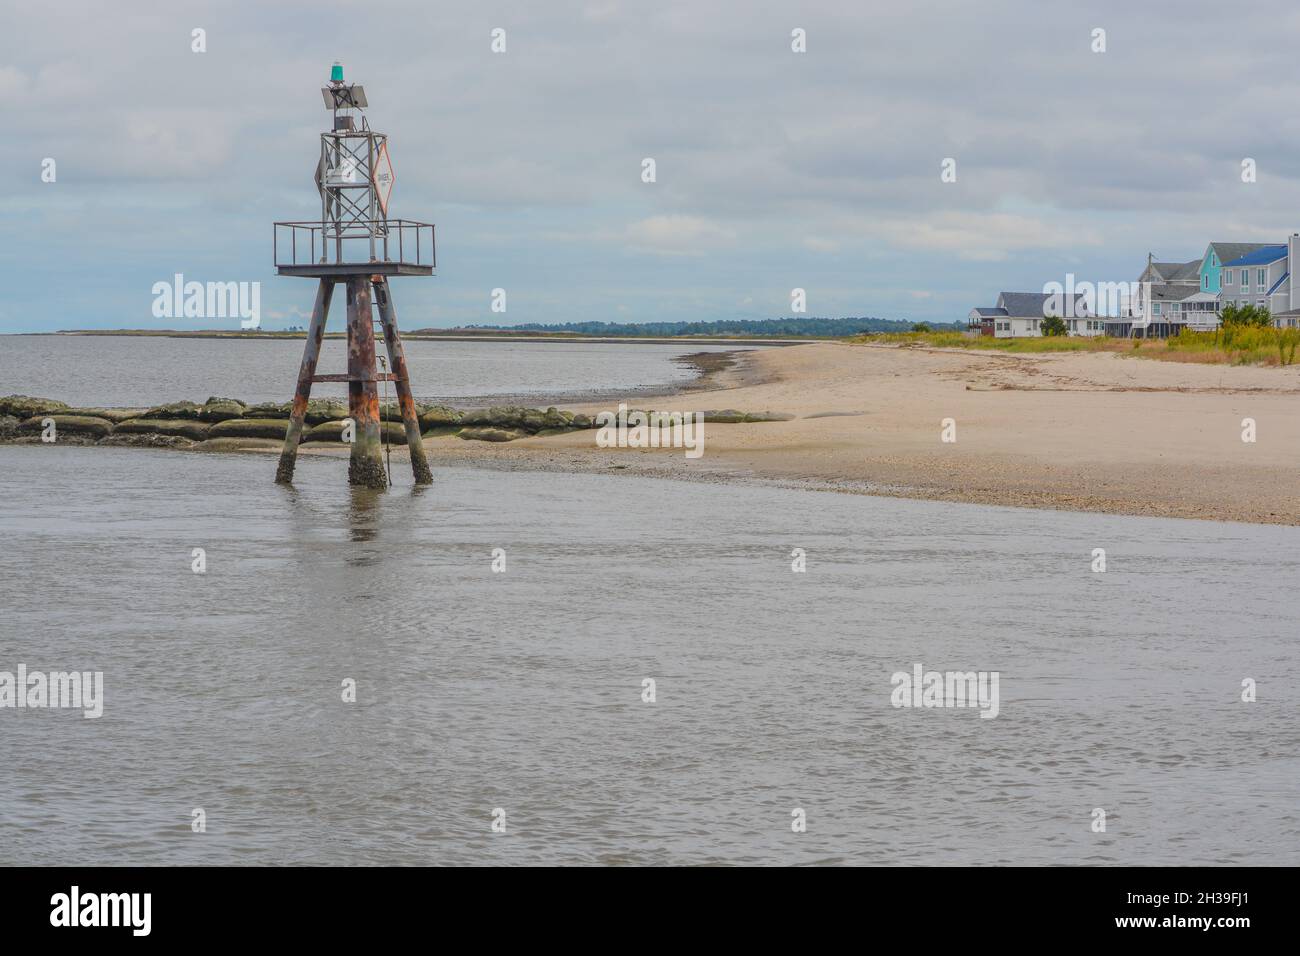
x: 358, y: 241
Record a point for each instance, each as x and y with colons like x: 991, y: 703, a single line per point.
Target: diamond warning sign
x: 382, y: 177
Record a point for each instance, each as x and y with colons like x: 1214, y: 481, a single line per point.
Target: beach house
x: 1262, y: 277
x: 1020, y: 315
x: 1169, y: 298
x: 1217, y: 254
x: 1174, y: 296
x: 1284, y: 297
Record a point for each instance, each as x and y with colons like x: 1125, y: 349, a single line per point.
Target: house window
x: 1155, y: 309
x: 1260, y: 303
x: 1245, y: 279
x: 1261, y: 277
x: 1205, y: 281
x: 1227, y: 277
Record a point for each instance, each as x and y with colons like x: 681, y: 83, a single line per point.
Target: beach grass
x: 1227, y: 346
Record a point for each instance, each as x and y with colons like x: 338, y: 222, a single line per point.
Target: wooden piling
x: 366, y: 466
x: 306, y: 373
x: 405, y: 400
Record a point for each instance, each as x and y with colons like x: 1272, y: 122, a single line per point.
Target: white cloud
x: 986, y: 237
x: 678, y: 235
x: 819, y: 244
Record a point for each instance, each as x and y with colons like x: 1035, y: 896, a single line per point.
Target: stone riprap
x: 222, y: 423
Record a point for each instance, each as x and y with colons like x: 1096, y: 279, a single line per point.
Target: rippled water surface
x: 127, y: 371
x: 522, y: 690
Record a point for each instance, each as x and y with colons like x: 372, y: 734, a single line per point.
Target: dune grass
x: 1239, y: 346
x: 1228, y: 346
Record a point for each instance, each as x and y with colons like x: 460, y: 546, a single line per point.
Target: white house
x: 1020, y: 315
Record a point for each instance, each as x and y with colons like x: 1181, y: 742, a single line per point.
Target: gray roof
x: 1178, y: 271
x: 1227, y: 251
x: 1173, y: 293
x: 1029, y: 305
x: 990, y: 312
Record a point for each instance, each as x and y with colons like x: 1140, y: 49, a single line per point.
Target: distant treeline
x: 774, y: 327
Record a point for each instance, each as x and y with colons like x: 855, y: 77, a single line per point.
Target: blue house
x: 1218, y: 254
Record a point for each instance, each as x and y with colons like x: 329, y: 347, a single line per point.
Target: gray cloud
x: 775, y: 169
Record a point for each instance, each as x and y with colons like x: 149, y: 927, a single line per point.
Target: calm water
x: 522, y: 690
x: 131, y: 371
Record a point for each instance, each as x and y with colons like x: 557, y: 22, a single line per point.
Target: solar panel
x: 344, y: 97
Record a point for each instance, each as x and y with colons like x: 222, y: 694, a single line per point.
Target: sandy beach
x: 1081, y: 431
x: 1077, y: 431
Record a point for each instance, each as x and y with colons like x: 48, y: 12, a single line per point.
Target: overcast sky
x: 775, y: 169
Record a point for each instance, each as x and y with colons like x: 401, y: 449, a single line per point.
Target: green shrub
x: 1052, y: 326
x: 1248, y: 316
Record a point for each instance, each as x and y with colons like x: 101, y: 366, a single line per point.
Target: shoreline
x: 437, y: 335
x: 703, y: 368
x: 709, y: 368
x: 1087, y: 432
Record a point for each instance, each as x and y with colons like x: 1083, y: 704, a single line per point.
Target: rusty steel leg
x: 310, y: 354
x: 366, y: 467
x: 405, y: 401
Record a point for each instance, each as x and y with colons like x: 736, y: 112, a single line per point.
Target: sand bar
x: 1079, y: 431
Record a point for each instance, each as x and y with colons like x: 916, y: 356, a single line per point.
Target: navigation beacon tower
x: 355, y: 242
